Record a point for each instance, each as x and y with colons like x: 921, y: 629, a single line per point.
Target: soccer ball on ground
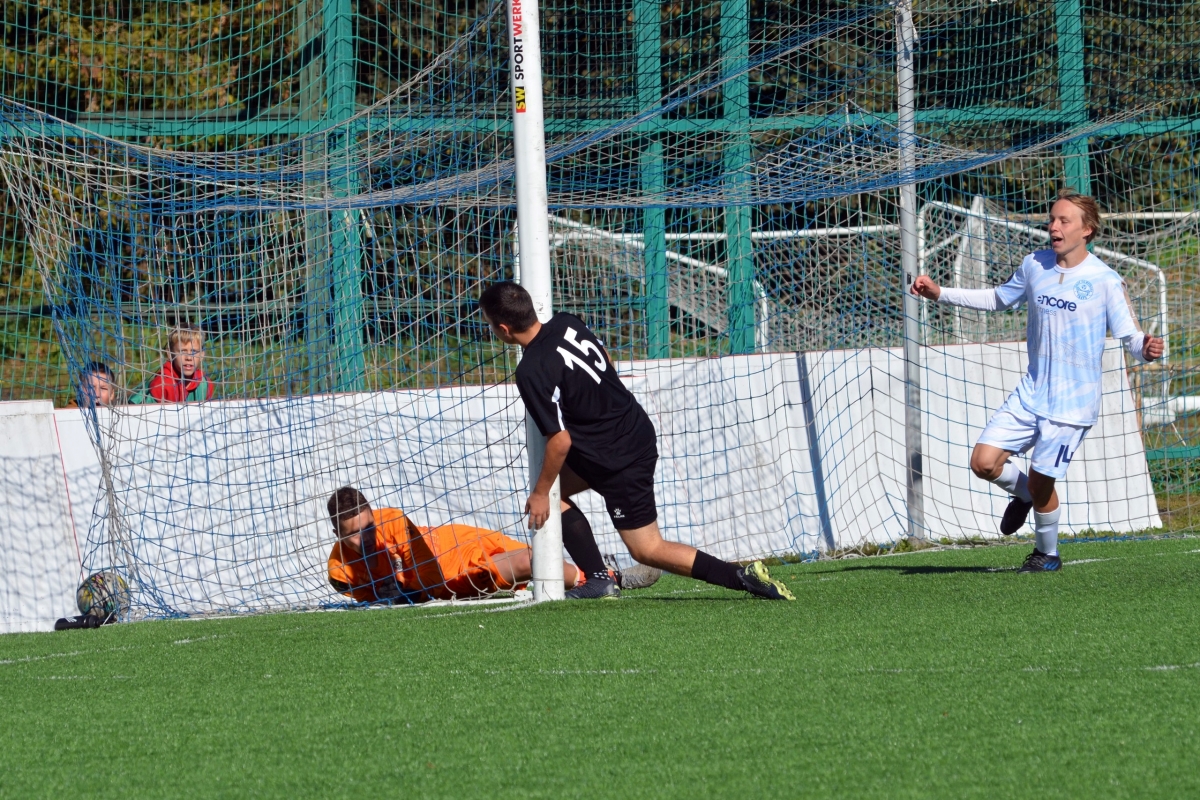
x: 104, y: 595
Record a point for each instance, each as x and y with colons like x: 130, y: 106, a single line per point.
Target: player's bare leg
x: 1035, y: 491
x: 1041, y: 488
x: 648, y: 547
x: 516, y: 566
x: 994, y: 465
x: 1046, y: 511
x: 988, y: 462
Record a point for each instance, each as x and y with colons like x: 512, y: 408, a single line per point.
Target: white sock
x: 1013, y: 481
x: 1045, y: 531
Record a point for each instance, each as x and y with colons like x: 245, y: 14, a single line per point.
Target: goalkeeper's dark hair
x: 346, y: 503
x: 101, y: 369
x: 507, y: 303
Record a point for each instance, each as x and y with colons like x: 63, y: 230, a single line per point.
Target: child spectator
x: 97, y: 385
x: 181, y: 380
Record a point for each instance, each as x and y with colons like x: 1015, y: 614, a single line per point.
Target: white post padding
x: 529, y: 154
x: 546, y: 542
x: 906, y: 104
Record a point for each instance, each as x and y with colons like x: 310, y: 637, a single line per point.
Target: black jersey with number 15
x: 567, y: 383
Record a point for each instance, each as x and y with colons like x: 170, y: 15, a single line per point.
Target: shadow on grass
x: 708, y: 598
x: 922, y: 570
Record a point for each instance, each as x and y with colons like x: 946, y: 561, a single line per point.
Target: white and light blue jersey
x: 1070, y: 311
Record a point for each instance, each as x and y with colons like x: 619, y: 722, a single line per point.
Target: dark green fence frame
x: 338, y: 65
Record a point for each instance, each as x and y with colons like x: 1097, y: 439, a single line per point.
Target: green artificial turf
x: 926, y: 674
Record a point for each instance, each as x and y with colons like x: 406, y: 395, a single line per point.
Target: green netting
x: 990, y: 76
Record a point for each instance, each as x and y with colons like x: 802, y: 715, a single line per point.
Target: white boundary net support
x: 533, y: 252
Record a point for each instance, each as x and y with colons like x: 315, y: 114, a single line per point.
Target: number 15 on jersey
x: 586, y: 348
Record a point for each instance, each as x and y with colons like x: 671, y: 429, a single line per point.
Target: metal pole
x: 529, y: 155
x: 648, y: 31
x: 906, y: 104
x: 315, y: 366
x: 1072, y: 91
x: 344, y: 230
x: 739, y: 249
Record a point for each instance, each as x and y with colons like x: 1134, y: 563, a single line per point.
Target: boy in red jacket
x: 180, y: 380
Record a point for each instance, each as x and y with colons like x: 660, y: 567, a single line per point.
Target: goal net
x: 724, y: 189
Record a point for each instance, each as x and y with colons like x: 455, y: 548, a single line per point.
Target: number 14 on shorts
x: 1064, y: 455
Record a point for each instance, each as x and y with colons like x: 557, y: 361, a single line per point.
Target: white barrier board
x: 39, y: 555
x: 221, y: 506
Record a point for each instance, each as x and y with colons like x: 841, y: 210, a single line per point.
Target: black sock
x: 581, y: 544
x: 717, y: 572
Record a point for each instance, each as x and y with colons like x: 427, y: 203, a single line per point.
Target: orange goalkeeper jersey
x: 420, y: 563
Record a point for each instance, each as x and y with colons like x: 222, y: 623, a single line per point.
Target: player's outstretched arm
x: 980, y: 299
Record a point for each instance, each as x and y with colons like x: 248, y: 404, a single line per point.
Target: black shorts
x: 628, y: 492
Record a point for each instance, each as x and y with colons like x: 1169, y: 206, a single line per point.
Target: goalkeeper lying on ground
x: 382, y: 555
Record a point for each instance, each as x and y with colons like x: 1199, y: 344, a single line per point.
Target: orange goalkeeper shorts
x: 467, y: 562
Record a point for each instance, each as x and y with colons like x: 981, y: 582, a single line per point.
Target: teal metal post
x: 1072, y: 91
x: 344, y: 227
x: 648, y: 34
x: 739, y: 249
x: 313, y: 365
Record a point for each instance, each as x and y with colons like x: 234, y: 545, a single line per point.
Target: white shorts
x: 1015, y: 429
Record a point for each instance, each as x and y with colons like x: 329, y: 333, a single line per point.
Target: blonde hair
x: 1087, y: 206
x: 185, y: 332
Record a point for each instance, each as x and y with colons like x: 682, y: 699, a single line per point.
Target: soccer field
x: 927, y: 674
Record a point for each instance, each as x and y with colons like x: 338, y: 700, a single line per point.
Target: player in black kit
x: 599, y: 437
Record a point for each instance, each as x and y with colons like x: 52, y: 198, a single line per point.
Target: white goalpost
x: 533, y: 243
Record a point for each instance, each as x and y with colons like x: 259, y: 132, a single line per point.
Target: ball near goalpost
x: 104, y: 595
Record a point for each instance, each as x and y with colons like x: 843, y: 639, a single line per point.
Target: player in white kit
x: 1073, y: 299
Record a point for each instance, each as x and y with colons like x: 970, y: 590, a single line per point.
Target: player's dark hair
x: 99, y: 368
x: 346, y: 503
x: 507, y: 303
x: 1088, y: 208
